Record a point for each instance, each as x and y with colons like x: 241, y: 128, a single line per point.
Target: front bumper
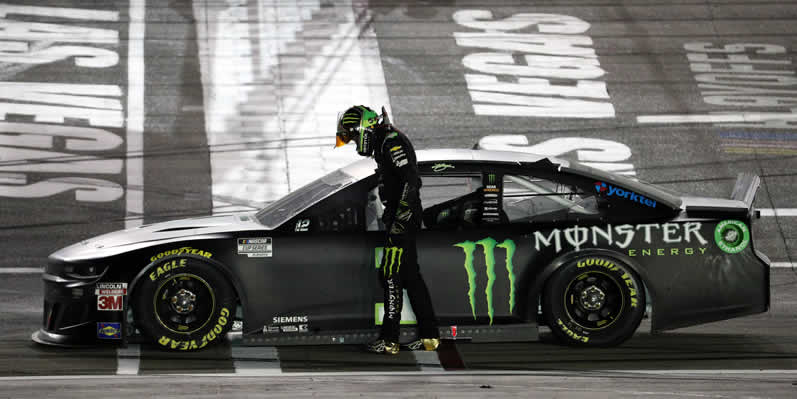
x: 68, y: 318
x: 71, y: 316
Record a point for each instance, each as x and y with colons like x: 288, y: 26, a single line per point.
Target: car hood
x: 149, y: 235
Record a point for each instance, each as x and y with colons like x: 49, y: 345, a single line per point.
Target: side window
x: 451, y: 202
x: 530, y: 199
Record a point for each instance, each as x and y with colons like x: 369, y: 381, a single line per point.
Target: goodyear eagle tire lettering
x: 184, y: 302
x: 593, y: 301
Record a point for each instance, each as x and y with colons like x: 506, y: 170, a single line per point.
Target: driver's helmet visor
x: 343, y: 135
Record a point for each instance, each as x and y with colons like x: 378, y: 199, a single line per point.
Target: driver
x: 398, y: 189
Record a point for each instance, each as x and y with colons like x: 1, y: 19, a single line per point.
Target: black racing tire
x: 594, y: 301
x: 184, y: 303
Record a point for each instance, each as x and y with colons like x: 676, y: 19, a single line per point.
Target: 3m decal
x: 255, y: 247
x: 488, y: 249
x: 732, y: 236
x: 107, y: 330
x: 610, y: 191
x: 206, y: 339
x: 439, y: 167
x: 109, y: 302
x: 181, y: 250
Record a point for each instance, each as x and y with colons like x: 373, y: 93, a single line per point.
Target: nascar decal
x: 613, y: 191
x: 398, y: 156
x: 732, y: 236
x: 110, y: 296
x: 109, y: 330
x: 181, y: 250
x: 488, y: 249
x: 255, y: 247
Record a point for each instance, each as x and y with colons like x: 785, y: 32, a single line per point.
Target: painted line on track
x: 718, y: 118
x: 778, y: 212
x: 134, y: 193
x: 128, y: 360
x: 256, y: 360
x: 532, y: 373
x: 21, y: 270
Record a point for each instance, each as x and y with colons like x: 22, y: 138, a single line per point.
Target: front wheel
x: 594, y: 301
x: 184, y: 303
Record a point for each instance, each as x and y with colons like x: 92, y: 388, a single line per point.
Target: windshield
x: 297, y: 201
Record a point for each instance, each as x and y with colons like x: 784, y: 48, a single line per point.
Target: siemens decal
x: 552, y: 47
x: 613, y: 191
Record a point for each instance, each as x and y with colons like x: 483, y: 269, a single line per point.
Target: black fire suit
x: 399, y: 186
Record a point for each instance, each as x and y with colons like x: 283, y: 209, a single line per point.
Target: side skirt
x: 475, y: 333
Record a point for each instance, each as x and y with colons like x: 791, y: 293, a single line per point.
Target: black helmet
x: 357, y: 123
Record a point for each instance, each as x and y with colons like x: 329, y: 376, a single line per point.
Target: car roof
x: 661, y: 196
x: 455, y: 154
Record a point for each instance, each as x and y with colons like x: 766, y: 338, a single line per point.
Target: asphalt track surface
x: 643, y: 49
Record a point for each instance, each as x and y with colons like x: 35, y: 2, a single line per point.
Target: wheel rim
x: 594, y: 300
x: 184, y: 303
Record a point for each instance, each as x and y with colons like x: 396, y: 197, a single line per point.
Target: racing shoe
x: 427, y: 344
x: 382, y: 346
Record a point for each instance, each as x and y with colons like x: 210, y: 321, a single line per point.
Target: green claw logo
x: 488, y: 249
x: 390, y: 259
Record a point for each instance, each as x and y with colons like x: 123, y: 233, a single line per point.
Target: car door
x: 321, y: 270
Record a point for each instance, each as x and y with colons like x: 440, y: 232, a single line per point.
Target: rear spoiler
x: 745, y: 188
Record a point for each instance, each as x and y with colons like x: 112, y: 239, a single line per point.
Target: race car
x: 510, y: 241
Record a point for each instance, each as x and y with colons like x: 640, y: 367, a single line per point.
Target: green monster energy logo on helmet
x: 488, y: 249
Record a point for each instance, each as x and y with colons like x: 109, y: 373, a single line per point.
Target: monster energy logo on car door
x: 488, y: 249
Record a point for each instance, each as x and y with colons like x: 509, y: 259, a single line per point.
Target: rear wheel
x: 184, y: 303
x: 594, y: 301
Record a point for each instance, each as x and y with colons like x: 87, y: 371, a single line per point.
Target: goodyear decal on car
x: 488, y: 249
x: 181, y: 250
x: 206, y: 339
x: 109, y: 330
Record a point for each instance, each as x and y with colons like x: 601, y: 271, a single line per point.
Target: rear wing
x: 746, y: 188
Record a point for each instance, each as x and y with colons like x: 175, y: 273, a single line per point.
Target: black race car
x: 510, y: 241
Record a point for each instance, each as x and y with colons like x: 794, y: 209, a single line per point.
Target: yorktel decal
x: 620, y: 236
x: 609, y: 190
x: 488, y: 248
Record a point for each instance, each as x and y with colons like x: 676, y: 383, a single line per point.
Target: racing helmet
x: 357, y: 123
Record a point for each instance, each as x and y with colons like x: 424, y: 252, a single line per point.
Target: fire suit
x: 399, y: 186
